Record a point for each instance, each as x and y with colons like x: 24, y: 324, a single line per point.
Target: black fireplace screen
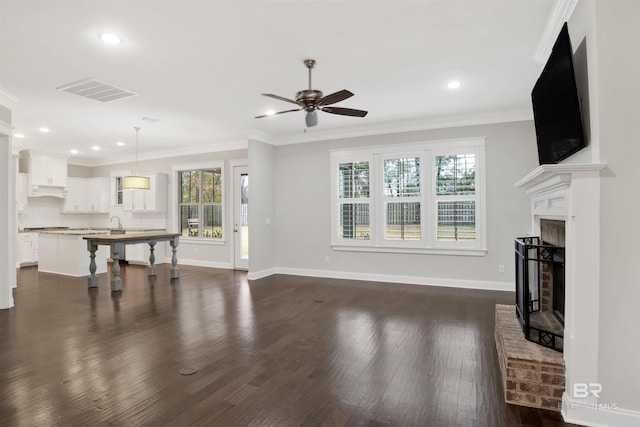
x: 540, y: 291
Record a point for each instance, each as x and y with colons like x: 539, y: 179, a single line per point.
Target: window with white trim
x: 425, y: 197
x: 200, y: 209
x: 354, y: 203
x: 119, y: 195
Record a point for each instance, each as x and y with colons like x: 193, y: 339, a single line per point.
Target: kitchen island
x: 64, y: 252
x: 117, y: 242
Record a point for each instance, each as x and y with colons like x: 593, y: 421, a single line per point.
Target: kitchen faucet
x: 119, y: 224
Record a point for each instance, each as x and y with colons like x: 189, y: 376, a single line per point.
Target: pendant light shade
x: 134, y: 181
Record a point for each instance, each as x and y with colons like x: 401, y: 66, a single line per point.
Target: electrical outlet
x: 501, y: 268
x: 326, y: 259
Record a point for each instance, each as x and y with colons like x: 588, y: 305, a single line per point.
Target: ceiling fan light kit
x: 311, y: 100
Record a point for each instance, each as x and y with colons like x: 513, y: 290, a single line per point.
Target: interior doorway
x: 241, y: 216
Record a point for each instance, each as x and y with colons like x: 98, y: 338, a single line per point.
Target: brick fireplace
x: 567, y: 194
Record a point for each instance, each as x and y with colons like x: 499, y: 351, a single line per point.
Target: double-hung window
x: 402, y: 197
x: 200, y: 207
x: 424, y: 198
x: 455, y: 197
x: 354, y: 203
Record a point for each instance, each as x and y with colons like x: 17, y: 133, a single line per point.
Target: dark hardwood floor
x: 281, y: 351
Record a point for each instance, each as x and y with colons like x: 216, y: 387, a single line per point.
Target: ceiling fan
x: 312, y: 100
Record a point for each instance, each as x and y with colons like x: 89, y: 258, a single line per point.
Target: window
x: 200, y: 207
x: 402, y: 198
x: 455, y: 177
x: 354, y: 204
x: 426, y: 198
x: 118, y: 191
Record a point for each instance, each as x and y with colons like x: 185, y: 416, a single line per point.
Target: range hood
x: 47, y: 173
x: 47, y: 191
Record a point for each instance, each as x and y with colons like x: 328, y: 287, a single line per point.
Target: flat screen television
x: 556, y: 105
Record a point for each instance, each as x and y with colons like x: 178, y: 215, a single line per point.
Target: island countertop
x: 97, y: 231
x: 127, y: 237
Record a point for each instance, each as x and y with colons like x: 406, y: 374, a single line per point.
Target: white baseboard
x: 255, y: 275
x: 603, y: 415
x: 412, y: 280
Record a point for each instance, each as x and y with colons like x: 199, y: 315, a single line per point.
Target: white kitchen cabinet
x: 74, y: 201
x: 47, y: 169
x: 152, y: 200
x: 139, y: 253
x: 28, y: 248
x: 97, y: 195
x: 67, y: 254
x: 87, y: 195
x: 21, y: 193
x: 47, y: 173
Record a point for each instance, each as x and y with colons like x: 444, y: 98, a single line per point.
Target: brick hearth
x: 532, y: 375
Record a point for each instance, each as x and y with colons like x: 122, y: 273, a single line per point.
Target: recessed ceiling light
x: 95, y: 148
x: 454, y: 84
x: 120, y: 143
x: 45, y: 130
x: 74, y: 151
x: 18, y: 135
x: 110, y: 38
x: 269, y: 113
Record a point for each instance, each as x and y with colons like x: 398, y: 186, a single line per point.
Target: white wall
x: 618, y: 50
x: 7, y: 212
x: 302, y: 203
x: 263, y: 222
x: 609, y: 34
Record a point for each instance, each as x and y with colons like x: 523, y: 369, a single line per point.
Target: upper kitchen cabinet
x: 47, y: 173
x: 97, y: 195
x: 152, y: 200
x: 87, y: 195
x: 74, y: 201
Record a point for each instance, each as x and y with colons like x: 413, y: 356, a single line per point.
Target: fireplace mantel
x: 549, y: 187
x: 571, y: 192
x: 546, y: 178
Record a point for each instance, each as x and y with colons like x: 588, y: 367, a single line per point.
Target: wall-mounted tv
x: 556, y: 105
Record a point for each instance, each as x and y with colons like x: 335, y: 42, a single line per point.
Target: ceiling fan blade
x: 281, y: 98
x: 279, y: 112
x: 345, y: 111
x: 332, y: 98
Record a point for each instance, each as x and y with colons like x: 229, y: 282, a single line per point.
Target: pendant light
x: 134, y: 181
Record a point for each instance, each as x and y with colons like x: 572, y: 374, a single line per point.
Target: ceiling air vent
x: 95, y: 89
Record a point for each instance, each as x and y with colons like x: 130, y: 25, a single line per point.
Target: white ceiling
x: 199, y: 67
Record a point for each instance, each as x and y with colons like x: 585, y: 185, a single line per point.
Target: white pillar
x: 7, y: 218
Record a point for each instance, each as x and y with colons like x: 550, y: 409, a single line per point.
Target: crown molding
x: 7, y: 99
x: 258, y: 135
x: 561, y: 12
x: 440, y: 122
x: 158, y: 154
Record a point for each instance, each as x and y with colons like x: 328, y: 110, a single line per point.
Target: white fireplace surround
x: 571, y: 192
